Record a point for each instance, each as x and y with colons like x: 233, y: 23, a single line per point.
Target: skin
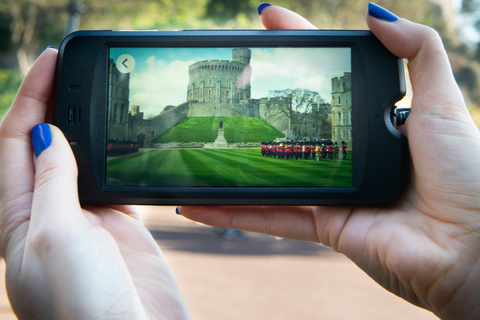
x: 68, y: 262
x: 64, y: 261
x: 425, y: 247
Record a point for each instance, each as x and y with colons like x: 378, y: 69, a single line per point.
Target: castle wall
x: 244, y: 108
x: 158, y: 125
x: 270, y: 112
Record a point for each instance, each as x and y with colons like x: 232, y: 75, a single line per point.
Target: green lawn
x: 205, y: 129
x: 226, y: 167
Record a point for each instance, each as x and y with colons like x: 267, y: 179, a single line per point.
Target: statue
x: 221, y: 124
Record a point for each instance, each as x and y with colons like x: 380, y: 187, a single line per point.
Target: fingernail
x: 177, y: 211
x: 41, y: 137
x: 261, y: 7
x: 51, y: 47
x: 380, y: 13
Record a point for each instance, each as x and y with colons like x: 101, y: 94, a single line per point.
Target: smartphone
x: 232, y: 117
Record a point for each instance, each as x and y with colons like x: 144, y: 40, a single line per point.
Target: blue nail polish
x: 380, y: 13
x: 177, y: 211
x: 262, y: 6
x: 51, y: 47
x: 41, y: 137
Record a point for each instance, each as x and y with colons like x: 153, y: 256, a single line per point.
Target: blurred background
x: 27, y: 27
x: 243, y: 276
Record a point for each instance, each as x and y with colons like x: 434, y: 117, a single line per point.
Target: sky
x: 160, y: 75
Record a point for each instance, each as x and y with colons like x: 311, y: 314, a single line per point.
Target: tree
x: 297, y: 104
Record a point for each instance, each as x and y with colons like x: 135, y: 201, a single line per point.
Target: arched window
x: 339, y: 102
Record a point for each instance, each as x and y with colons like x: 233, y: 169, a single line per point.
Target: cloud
x: 156, y: 82
x: 289, y: 68
x: 159, y: 86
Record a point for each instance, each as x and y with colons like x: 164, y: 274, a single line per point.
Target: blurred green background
x: 27, y: 27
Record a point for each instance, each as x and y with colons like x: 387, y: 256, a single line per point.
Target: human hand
x: 425, y: 247
x: 64, y: 261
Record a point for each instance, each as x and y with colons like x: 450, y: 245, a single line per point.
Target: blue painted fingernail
x: 262, y: 6
x: 51, y: 47
x: 380, y: 13
x: 177, y: 211
x: 41, y: 138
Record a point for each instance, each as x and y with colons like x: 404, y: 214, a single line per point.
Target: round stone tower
x: 219, y: 86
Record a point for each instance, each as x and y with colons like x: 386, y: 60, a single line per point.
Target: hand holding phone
x: 424, y: 247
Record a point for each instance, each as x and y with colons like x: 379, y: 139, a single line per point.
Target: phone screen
x: 229, y: 117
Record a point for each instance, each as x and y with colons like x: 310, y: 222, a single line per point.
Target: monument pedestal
x: 220, y: 142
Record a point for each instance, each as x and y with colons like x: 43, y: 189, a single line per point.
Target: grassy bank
x: 205, y: 129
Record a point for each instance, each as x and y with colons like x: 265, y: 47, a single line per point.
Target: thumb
x: 275, y: 17
x: 55, y: 198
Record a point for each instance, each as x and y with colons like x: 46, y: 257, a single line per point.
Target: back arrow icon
x: 125, y: 63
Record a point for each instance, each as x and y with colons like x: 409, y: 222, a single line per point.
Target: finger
x: 30, y: 104
x: 286, y: 221
x: 274, y: 17
x: 55, y: 201
x: 429, y: 68
x: 28, y: 108
x: 439, y: 121
x: 131, y: 211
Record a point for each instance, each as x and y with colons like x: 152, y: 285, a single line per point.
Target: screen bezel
x: 377, y: 83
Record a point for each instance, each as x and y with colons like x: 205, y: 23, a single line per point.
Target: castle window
x: 339, y: 100
x: 115, y: 110
x: 210, y: 92
x: 228, y: 82
x: 227, y: 94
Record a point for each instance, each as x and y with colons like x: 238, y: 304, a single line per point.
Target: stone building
x: 342, y: 108
x: 221, y: 87
x: 118, y: 102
